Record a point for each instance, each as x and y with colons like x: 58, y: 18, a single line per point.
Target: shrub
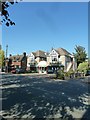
x: 69, y: 74
x: 83, y: 67
x: 60, y: 74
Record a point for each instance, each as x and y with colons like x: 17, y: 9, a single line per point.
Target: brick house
x: 18, y: 61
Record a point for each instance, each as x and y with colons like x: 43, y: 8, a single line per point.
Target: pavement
x: 38, y: 96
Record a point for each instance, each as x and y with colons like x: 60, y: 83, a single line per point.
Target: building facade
x: 63, y: 57
x: 41, y: 61
x: 18, y: 61
x: 34, y: 60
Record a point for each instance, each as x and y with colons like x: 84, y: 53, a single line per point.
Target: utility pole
x: 6, y: 58
x: 6, y: 50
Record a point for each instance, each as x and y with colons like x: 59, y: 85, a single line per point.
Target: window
x: 32, y: 59
x: 54, y: 59
x: 58, y: 56
x: 17, y: 66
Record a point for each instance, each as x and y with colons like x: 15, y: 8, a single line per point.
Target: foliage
x: 89, y: 63
x: 80, y: 54
x: 2, y: 56
x: 69, y: 73
x: 83, y: 67
x: 4, y: 4
x: 60, y: 74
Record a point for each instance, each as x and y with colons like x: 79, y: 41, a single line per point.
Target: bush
x: 69, y: 74
x: 83, y: 67
x: 60, y: 74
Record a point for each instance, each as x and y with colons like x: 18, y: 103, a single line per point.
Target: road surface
x: 40, y: 97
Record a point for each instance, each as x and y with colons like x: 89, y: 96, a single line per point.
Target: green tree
x: 83, y: 67
x: 2, y: 56
x: 80, y: 54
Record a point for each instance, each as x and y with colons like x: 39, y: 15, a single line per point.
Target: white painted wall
x: 53, y: 54
x: 30, y: 59
x: 62, y: 60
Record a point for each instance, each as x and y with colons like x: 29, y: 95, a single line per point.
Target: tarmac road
x: 26, y: 96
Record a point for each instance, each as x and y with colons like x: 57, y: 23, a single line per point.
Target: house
x: 63, y: 58
x: 18, y: 61
x: 34, y: 60
x: 55, y: 59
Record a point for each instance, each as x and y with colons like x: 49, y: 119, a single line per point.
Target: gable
x: 31, y: 55
x: 53, y: 53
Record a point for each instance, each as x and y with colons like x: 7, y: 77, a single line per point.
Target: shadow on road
x: 47, y: 99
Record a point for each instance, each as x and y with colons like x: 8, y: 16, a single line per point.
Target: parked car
x: 50, y: 71
x: 13, y: 70
x: 87, y: 73
x: 20, y: 70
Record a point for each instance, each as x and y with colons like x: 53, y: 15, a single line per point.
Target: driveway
x: 35, y: 97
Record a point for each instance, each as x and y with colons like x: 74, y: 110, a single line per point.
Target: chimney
x: 24, y: 53
x: 10, y: 55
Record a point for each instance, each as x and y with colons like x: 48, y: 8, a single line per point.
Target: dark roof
x: 39, y: 53
x: 34, y: 53
x: 62, y: 51
x: 16, y: 57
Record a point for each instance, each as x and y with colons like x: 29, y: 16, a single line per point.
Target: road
x: 41, y: 97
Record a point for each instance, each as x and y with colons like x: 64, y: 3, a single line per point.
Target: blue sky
x: 41, y: 26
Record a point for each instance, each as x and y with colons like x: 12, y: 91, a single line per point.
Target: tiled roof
x: 62, y: 51
x: 40, y: 53
x: 16, y: 57
x: 34, y: 53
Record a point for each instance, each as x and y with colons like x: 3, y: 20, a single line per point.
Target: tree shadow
x: 37, y: 98
x: 86, y: 116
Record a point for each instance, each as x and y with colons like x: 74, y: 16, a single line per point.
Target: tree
x: 83, y: 67
x: 80, y: 54
x: 2, y: 56
x: 4, y: 4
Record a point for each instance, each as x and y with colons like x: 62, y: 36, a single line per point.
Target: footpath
x: 29, y: 74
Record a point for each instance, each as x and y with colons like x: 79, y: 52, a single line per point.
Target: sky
x: 43, y: 25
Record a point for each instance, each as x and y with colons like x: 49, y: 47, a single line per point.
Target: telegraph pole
x: 6, y: 50
x: 6, y: 58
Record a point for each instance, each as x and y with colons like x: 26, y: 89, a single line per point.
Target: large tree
x: 4, y: 4
x: 2, y: 56
x: 80, y: 54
